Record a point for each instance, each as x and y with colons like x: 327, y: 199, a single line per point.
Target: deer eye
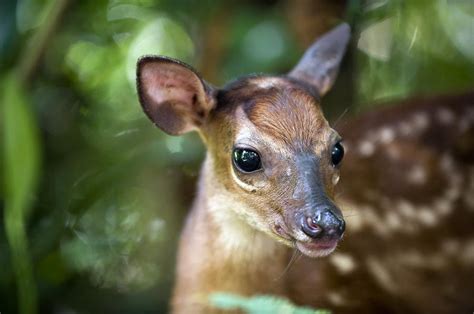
x: 246, y: 160
x: 337, y: 154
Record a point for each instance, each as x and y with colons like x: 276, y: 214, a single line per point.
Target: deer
x: 270, y: 213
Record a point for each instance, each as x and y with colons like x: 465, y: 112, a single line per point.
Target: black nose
x: 323, y: 224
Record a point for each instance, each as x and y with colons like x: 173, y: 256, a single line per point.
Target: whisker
x: 340, y: 117
x: 351, y: 215
x: 299, y: 256
x: 290, y: 263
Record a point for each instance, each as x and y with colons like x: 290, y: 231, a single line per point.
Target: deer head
x: 272, y: 155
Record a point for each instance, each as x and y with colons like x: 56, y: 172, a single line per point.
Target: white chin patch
x: 314, y: 252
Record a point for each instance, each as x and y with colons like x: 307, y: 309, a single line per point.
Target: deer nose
x: 324, y: 223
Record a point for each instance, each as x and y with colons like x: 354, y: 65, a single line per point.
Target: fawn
x: 268, y: 185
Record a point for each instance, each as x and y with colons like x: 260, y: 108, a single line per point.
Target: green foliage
x: 406, y: 53
x: 260, y: 304
x: 21, y: 167
x: 99, y: 217
x: 119, y: 252
x: 122, y: 251
x: 249, y: 42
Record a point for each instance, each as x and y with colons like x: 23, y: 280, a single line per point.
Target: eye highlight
x: 246, y: 160
x: 337, y: 153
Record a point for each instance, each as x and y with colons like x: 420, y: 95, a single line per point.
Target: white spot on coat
x: 445, y: 116
x: 381, y: 275
x: 405, y: 128
x: 412, y: 258
x: 393, y: 220
x: 373, y: 220
x: 406, y: 209
x: 450, y: 247
x: 467, y: 255
x: 443, y: 206
x: 427, y: 217
x: 366, y: 148
x: 417, y: 175
x: 335, y: 298
x: 386, y: 135
x: 420, y: 121
x: 344, y: 263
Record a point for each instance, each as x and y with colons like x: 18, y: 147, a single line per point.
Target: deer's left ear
x: 173, y: 95
x: 320, y: 63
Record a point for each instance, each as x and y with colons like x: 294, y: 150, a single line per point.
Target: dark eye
x: 337, y: 154
x: 246, y: 160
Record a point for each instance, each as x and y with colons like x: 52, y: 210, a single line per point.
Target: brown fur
x: 406, y: 191
x: 249, y: 270
x: 317, y: 282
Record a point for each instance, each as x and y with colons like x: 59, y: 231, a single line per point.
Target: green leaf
x: 21, y: 168
x: 259, y: 304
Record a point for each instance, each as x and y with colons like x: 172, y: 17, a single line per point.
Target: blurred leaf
x: 457, y: 19
x: 51, y: 268
x: 259, y: 42
x: 260, y: 304
x: 21, y: 165
x: 376, y: 40
x: 7, y: 33
x: 161, y: 36
x: 120, y: 251
x: 407, y: 54
x: 30, y: 14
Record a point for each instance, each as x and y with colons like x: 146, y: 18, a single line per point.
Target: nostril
x: 323, y: 224
x: 310, y: 227
x: 313, y: 225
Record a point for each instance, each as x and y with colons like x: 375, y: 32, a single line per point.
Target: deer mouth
x: 309, y: 247
x: 317, y: 248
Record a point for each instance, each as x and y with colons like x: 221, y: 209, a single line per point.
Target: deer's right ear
x: 172, y: 94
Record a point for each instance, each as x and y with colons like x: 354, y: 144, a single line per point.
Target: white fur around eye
x: 247, y: 187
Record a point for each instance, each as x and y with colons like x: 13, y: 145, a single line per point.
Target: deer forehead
x: 281, y: 114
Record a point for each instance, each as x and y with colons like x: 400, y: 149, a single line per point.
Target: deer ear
x: 172, y: 94
x: 320, y: 63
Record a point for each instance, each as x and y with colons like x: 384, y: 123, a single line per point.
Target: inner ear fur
x: 320, y: 63
x: 172, y: 94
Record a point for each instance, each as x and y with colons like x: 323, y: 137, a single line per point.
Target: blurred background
x: 92, y: 196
